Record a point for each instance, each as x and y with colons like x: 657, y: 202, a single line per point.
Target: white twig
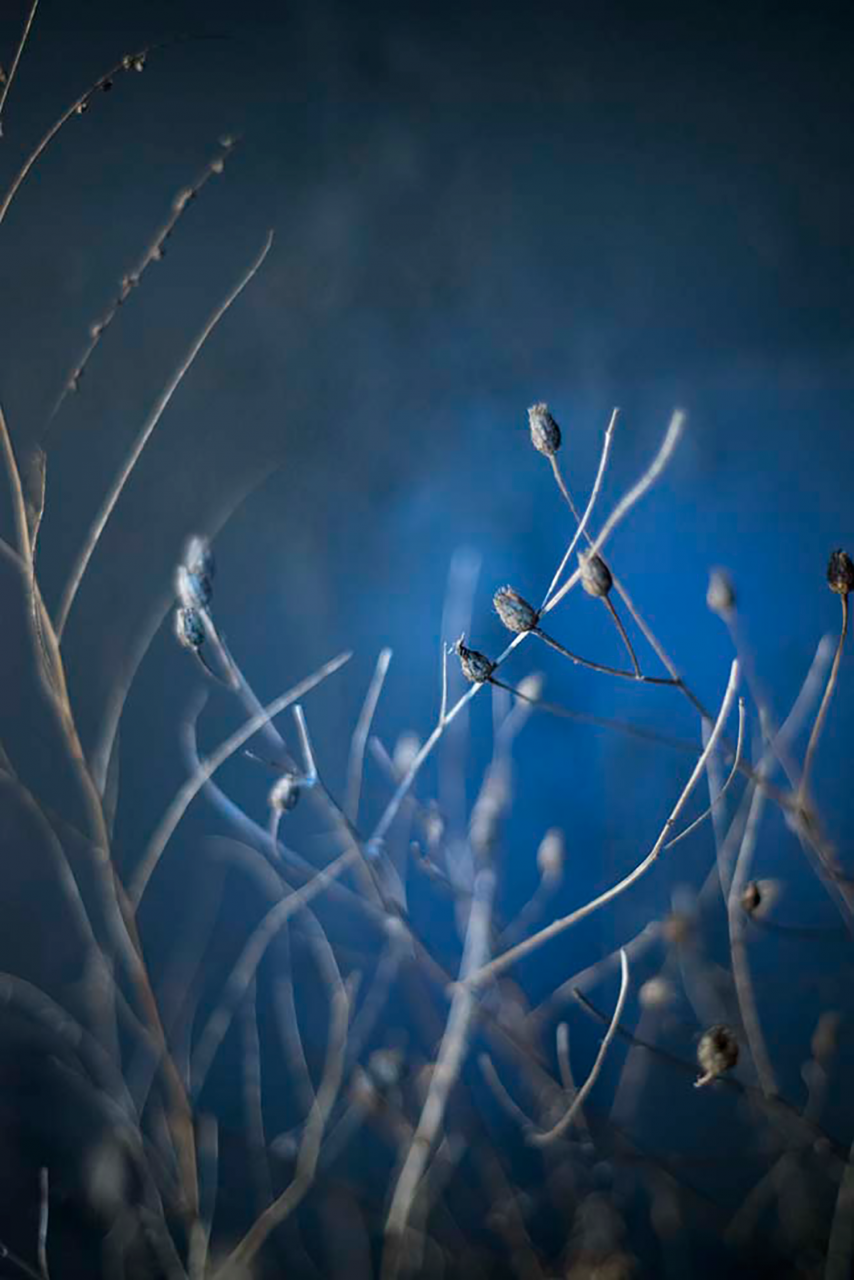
x: 356, y: 763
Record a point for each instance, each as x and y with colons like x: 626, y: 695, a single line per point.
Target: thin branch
x: 736, y: 765
x: 825, y: 703
x: 356, y: 763
x: 542, y: 1139
x: 7, y: 83
x: 193, y: 785
x: 108, y: 506
x: 507, y: 958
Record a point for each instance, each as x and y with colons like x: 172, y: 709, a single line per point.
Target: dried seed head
x: 285, y: 792
x: 516, y: 614
x: 199, y: 558
x: 193, y: 590
x: 188, y: 628
x: 595, y: 575
x: 476, y: 667
x: 840, y: 573
x: 551, y: 855
x: 720, y: 596
x: 717, y: 1052
x: 545, y: 433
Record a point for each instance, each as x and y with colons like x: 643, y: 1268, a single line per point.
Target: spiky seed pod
x: 545, y: 433
x: 551, y: 855
x: 595, y: 575
x: 516, y: 614
x: 188, y: 628
x: 199, y: 557
x: 717, y: 1052
x: 476, y: 667
x: 720, y: 596
x: 840, y: 573
x: 192, y: 589
x: 285, y: 793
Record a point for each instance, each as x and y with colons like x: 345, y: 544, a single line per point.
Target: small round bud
x: 595, y: 575
x: 285, y: 793
x: 545, y: 433
x: 81, y: 107
x: 751, y: 898
x: 551, y: 855
x: 218, y: 165
x: 138, y: 63
x: 182, y: 199
x: 476, y: 667
x: 516, y: 614
x: 657, y: 993
x: 717, y: 1052
x: 720, y: 596
x: 840, y: 573
x: 188, y: 628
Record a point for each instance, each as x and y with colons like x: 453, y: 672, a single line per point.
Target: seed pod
x: 285, y: 793
x: 751, y: 898
x: 193, y: 590
x: 188, y: 628
x: 717, y: 1052
x: 720, y: 596
x: 551, y: 855
x: 545, y: 433
x: 199, y: 557
x: 516, y: 614
x: 840, y: 573
x: 476, y: 667
x: 595, y: 575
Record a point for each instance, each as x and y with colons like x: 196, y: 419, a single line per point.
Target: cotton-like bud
x: 285, y: 793
x: 475, y: 666
x: 551, y: 855
x: 595, y: 575
x: 717, y: 1052
x: 516, y: 614
x: 545, y: 433
x: 720, y: 596
x: 188, y: 628
x: 840, y: 573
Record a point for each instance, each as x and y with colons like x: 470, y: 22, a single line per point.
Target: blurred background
x: 475, y: 207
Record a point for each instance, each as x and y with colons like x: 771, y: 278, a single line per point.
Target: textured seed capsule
x: 840, y: 573
x: 475, y: 666
x: 717, y: 1052
x: 720, y: 596
x: 545, y: 433
x: 516, y: 614
x: 595, y: 575
x: 188, y: 628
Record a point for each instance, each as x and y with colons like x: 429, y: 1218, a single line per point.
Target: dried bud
x: 217, y: 165
x: 551, y: 855
x: 751, y: 898
x: 595, y: 575
x: 81, y: 107
x: 516, y: 614
x: 188, y: 628
x: 475, y: 666
x: 545, y: 433
x: 182, y: 199
x: 199, y: 558
x: 717, y: 1052
x: 840, y: 573
x: 284, y: 794
x: 720, y: 596
x: 192, y: 589
x: 657, y: 993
